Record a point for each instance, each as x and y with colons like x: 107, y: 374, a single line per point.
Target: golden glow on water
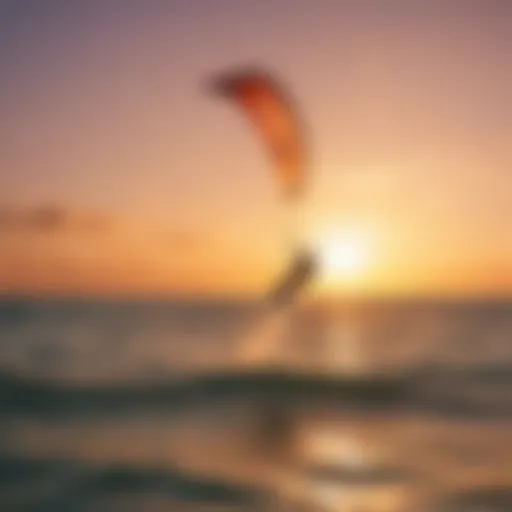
x: 334, y: 447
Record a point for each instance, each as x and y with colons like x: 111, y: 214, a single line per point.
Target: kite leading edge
x: 273, y: 113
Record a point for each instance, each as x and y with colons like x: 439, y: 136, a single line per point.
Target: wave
x: 463, y: 392
x: 31, y: 394
x: 491, y: 499
x: 78, y: 483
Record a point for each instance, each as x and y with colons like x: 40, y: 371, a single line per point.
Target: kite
x: 275, y: 116
x: 273, y: 113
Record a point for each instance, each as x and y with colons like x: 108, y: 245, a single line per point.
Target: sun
x: 343, y: 255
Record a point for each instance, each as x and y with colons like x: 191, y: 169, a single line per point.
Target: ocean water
x: 153, y: 406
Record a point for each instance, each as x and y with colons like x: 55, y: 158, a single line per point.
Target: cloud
x: 49, y: 218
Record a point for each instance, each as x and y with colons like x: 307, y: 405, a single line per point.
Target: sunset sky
x: 120, y: 175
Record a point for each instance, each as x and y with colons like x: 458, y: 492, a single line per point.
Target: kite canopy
x: 271, y: 110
